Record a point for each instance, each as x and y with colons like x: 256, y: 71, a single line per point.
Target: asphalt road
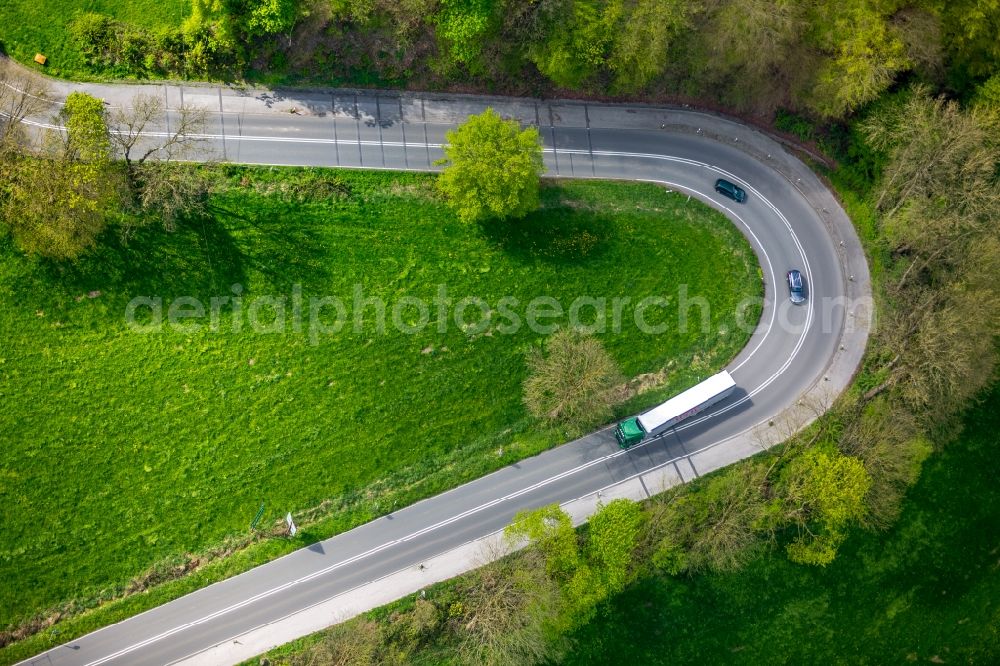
x: 789, y: 353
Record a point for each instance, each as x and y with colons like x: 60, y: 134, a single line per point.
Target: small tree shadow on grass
x: 560, y: 236
x: 283, y: 245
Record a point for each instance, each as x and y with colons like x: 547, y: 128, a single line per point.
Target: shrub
x: 575, y: 383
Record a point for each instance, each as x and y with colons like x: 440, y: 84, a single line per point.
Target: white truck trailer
x: 663, y: 417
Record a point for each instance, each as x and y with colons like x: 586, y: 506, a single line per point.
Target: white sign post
x: 291, y: 524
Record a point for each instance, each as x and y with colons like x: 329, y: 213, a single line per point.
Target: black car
x: 727, y: 189
x: 796, y: 286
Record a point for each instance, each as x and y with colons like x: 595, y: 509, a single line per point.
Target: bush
x: 200, y: 48
x: 96, y: 35
x: 575, y: 384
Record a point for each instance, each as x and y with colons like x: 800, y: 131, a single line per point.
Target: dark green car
x: 727, y: 189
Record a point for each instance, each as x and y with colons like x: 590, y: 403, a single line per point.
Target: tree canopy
x: 823, y: 492
x: 56, y: 205
x: 493, y: 168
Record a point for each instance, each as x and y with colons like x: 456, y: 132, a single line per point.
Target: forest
x: 823, y: 57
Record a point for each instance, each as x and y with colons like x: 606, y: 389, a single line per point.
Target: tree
x: 988, y: 97
x: 87, y: 139
x: 260, y: 18
x: 935, y: 150
x: 641, y: 48
x: 506, y: 614
x: 716, y: 526
x: 131, y: 126
x: 463, y: 26
x: 493, y: 168
x: 751, y: 54
x: 578, y: 42
x: 159, y: 191
x: 865, y: 56
x: 823, y: 492
x: 886, y: 437
x: 575, y: 383
x: 919, y: 29
x: 614, y: 533
x: 550, y: 533
x: 971, y: 28
x: 550, y: 529
x: 57, y: 204
x: 22, y: 95
x: 939, y: 202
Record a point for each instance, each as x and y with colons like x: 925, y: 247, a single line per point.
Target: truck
x: 661, y: 418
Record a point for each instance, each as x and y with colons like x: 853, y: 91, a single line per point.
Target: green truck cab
x: 629, y: 432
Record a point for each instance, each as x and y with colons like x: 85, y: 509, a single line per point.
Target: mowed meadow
x: 123, y: 449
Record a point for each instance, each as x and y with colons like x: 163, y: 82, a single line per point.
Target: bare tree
x: 158, y: 189
x: 22, y: 95
x: 719, y: 527
x: 135, y: 130
x: 506, y: 610
x: 354, y: 643
x: 751, y: 41
x: 940, y: 206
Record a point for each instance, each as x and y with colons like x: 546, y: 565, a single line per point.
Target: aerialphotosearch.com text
x: 319, y: 317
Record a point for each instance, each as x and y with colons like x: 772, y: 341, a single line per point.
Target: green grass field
x: 122, y: 449
x: 28, y: 27
x: 926, y: 591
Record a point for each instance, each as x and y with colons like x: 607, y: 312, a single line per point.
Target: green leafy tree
x: 58, y: 204
x: 87, y: 138
x: 575, y: 382
x: 614, y: 534
x: 208, y: 41
x: 493, y: 168
x: 270, y: 17
x: 551, y: 530
x: 866, y: 54
x: 577, y: 45
x: 823, y: 493
x: 971, y: 29
x: 642, y: 45
x: 582, y: 594
x: 988, y: 94
x: 581, y: 587
x: 463, y: 26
